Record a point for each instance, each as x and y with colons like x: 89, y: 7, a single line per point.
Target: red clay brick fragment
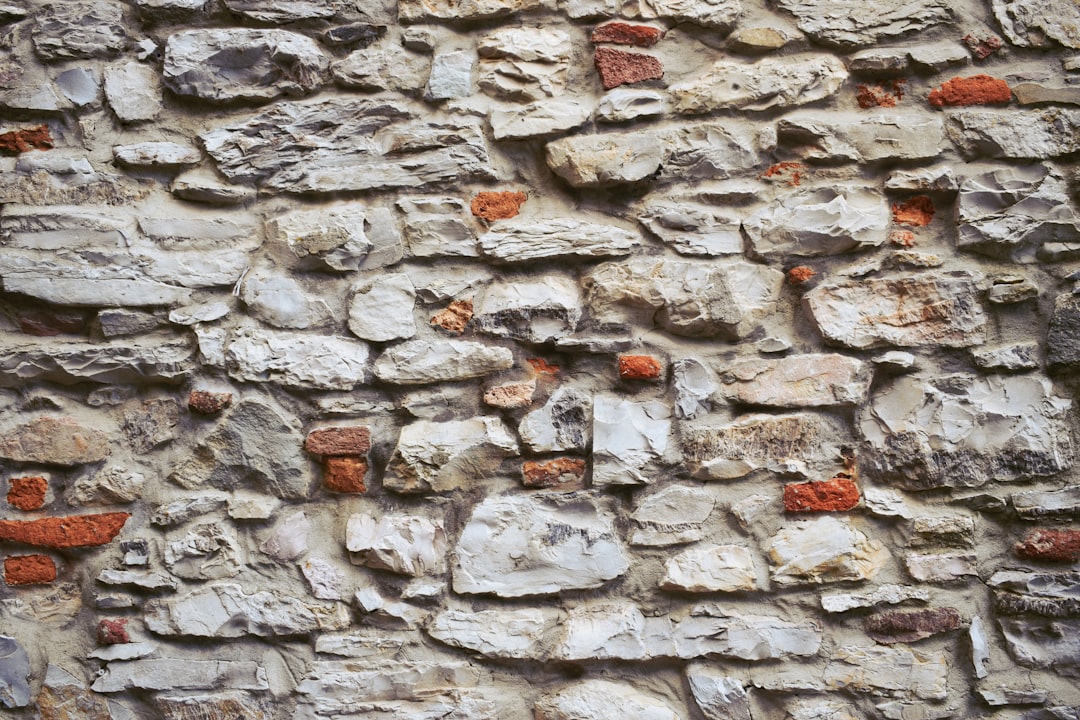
x: 639, y: 367
x: 916, y: 212
x: 204, y: 402
x: 984, y: 48
x: 834, y: 495
x: 799, y: 275
x: 617, y: 67
x: 29, y: 570
x: 1050, y: 545
x: 65, y: 532
x: 27, y: 493
x: 338, y: 441
x: 113, y: 632
x: 869, y: 96
x: 543, y: 367
x: 345, y: 474
x: 905, y: 627
x: 903, y: 238
x: 454, y: 317
x: 974, y: 90
x: 15, y: 142
x: 622, y: 33
x: 560, y: 473
x: 497, y: 205
x: 789, y: 172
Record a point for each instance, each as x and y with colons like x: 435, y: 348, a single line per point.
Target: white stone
x: 407, y: 544
x: 604, y: 631
x: 586, y: 161
x: 180, y: 674
x: 1039, y: 23
x: 280, y: 301
x: 849, y: 23
x: 516, y: 634
x: 883, y: 595
x: 155, y: 155
x: 894, y: 671
x: 123, y: 651
x: 500, y: 550
x: 562, y: 424
x: 544, y: 117
x: 819, y: 222
x: 694, y: 384
x: 595, y: 700
x: 296, y: 359
x: 133, y: 91
x: 445, y: 456
x: 940, y: 567
x: 811, y: 380
x: 894, y: 136
x: 674, y: 515
x: 205, y: 552
x: 456, y: 10
x: 886, y: 502
x: 710, y: 568
x: 147, y: 581
x: 436, y: 227
x: 535, y: 311
x: 718, y: 696
x: 624, y: 104
x: 204, y: 186
x: 381, y: 309
x: 519, y: 63
x: 419, y: 362
x: 451, y: 75
x: 195, y: 314
x: 337, y: 238
x: 980, y: 647
x: 628, y: 437
x: 772, y: 82
x: 386, y: 66
x: 523, y: 239
x: 711, y: 151
x: 111, y: 485
x: 288, y: 539
x: 826, y: 549
x: 713, y: 631
x: 1026, y: 134
x: 694, y: 229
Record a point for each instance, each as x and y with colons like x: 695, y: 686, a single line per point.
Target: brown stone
x: 43, y: 323
x: 870, y: 96
x: 227, y: 706
x: 454, y: 317
x: 639, y: 367
x: 27, y: 493
x: 492, y: 206
x: 113, y: 632
x: 337, y: 441
x: 916, y: 212
x: 29, y: 570
x: 622, y: 33
x: 617, y: 67
x: 511, y: 395
x: 65, y: 532
x: 68, y: 699
x: 1050, y: 545
x: 983, y: 48
x: 560, y: 474
x: 205, y: 402
x: 835, y: 495
x: 974, y: 90
x: 15, y: 142
x: 345, y: 474
x: 905, y: 627
x: 54, y: 441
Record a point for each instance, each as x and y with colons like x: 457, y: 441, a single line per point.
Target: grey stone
x: 344, y: 143
x: 157, y: 155
x: 149, y: 358
x: 342, y: 238
x: 1037, y: 505
x: 896, y: 136
x: 672, y: 516
x: 882, y: 595
x: 605, y: 160
x: 827, y: 549
x: 935, y: 179
x: 498, y: 551
x: 819, y: 222
x: 769, y: 83
x: 113, y: 485
x: 386, y: 66
x: 288, y: 538
x: 624, y: 104
x: 444, y: 456
x: 798, y: 381
x: 280, y: 12
x: 562, y: 424
x: 536, y: 311
x: 712, y: 631
x: 708, y: 151
x: 453, y: 11
x: 75, y: 30
x: 152, y: 424
x: 205, y: 552
x: 523, y: 64
x: 202, y: 186
x: 407, y: 544
x: 1007, y: 358
x: 1026, y: 134
x: 166, y: 11
x: 1044, y: 644
x: 79, y: 85
x: 154, y: 582
x: 381, y: 309
x: 14, y: 673
x: 523, y: 239
x: 980, y: 647
x: 718, y: 696
x: 544, y: 117
x: 941, y: 567
x: 880, y: 62
x: 451, y: 75
x: 238, y: 64
x: 420, y: 362
x: 180, y: 674
x: 594, y: 699
x: 1041, y: 23
x: 693, y: 229
x: 1063, y: 336
x: 753, y: 442
x: 849, y: 23
x: 296, y: 359
x: 935, y: 432
x: 436, y: 227
x: 694, y: 384
x: 184, y: 509
x: 889, y: 671
x: 122, y: 323
x: 629, y: 439
x: 513, y: 634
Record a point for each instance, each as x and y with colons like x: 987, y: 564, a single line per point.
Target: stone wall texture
x: 539, y: 359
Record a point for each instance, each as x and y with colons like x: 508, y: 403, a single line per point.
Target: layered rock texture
x: 539, y: 359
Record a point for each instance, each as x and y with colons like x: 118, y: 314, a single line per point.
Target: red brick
x: 204, y: 402
x: 29, y: 570
x: 799, y: 275
x: 113, y: 632
x: 542, y: 367
x: 454, y: 317
x: 639, y: 367
x: 622, y: 33
x: 984, y: 48
x: 560, y: 473
x: 834, y: 495
x: 497, y: 205
x: 916, y: 212
x: 1050, y: 545
x: 897, y: 626
x: 974, y: 90
x: 870, y: 96
x: 345, y: 474
x: 65, y: 532
x: 15, y: 142
x: 617, y: 67
x: 345, y: 440
x: 27, y: 493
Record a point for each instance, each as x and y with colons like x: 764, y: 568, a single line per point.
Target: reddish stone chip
x: 788, y: 171
x: 984, y: 48
x: 113, y: 632
x: 208, y: 403
x: 834, y: 495
x: 799, y: 275
x: 27, y: 493
x: 345, y: 474
x: 511, y: 395
x: 896, y: 627
x: 29, y: 570
x: 497, y: 205
x: 617, y: 67
x: 622, y: 33
x: 639, y: 367
x: 1050, y: 545
x: 561, y: 473
x: 541, y: 366
x: 65, y: 532
x: 916, y: 212
x: 15, y: 142
x: 346, y: 440
x: 975, y: 90
x: 42, y: 323
x: 454, y: 317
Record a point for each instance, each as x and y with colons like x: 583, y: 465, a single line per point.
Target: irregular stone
x: 452, y: 11
x: 63, y: 697
x: 420, y: 362
x: 386, y: 66
x: 616, y: 67
x: 889, y: 672
x: 609, y: 631
x: 517, y: 546
x: 202, y: 186
x: 512, y: 634
x: 1008, y: 358
x: 1038, y: 24
x: 797, y: 381
x: 926, y: 309
x: 288, y: 539
x: 1049, y: 545
x: 280, y: 12
x: 751, y: 443
x: 281, y: 302
x: 622, y: 33
x: 524, y: 64
x: 759, y: 40
x: 154, y: 582
x: 113, y: 485
x: 532, y: 311
x: 768, y: 83
x: 826, y: 549
x: 906, y: 627
x: 624, y: 104
x: 693, y: 230
x: 628, y: 437
x: 928, y: 433
x: 710, y: 150
x: 54, y: 441
x: 435, y: 227
x: 524, y: 240
x: 331, y: 145
x: 980, y: 647
x: 152, y: 424
x: 719, y: 15
x: 594, y: 699
x: 639, y: 367
x: 325, y: 579
x: 1001, y: 696
x: 407, y: 544
x: 1044, y: 644
x: 381, y: 309
x: 974, y: 90
x: 937, y: 179
x: 835, y: 495
x: 451, y: 75
x: 296, y: 359
x: 1037, y: 94
x: 544, y: 117
x: 218, y: 706
x: 718, y: 696
x: 180, y: 511
x: 955, y: 531
x: 233, y: 64
x: 563, y: 474
x: 710, y: 568
x: 446, y: 456
x: 605, y: 160
x: 694, y: 384
x: 180, y: 674
x: 65, y: 532
x: 940, y: 567
x: 157, y: 155
x: 79, y: 85
x: 672, y: 516
x: 205, y: 402
x: 846, y: 24
x: 224, y: 610
x: 343, y: 239
x: 76, y: 30
x: 712, y: 631
x: 688, y: 299
x: 1013, y: 213
x: 896, y: 136
x: 882, y: 595
x: 356, y: 35
x: 880, y: 62
x: 1036, y: 505
x: 14, y: 673
x: 562, y: 424
x: 455, y: 317
x: 935, y: 57
x: 1028, y: 134
x: 205, y: 552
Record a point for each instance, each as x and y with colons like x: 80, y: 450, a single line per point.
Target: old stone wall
x: 553, y: 359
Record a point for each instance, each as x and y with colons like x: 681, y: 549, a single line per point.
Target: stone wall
x: 553, y: 359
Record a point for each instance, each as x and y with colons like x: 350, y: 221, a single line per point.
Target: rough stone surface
x: 1038, y: 24
x: 827, y: 549
x: 65, y: 532
x: 602, y: 160
x: 710, y: 568
x: 54, y: 441
x: 906, y: 627
x: 405, y: 544
x: 846, y: 24
x: 751, y: 443
x: 77, y: 30
x: 769, y: 83
x: 444, y: 456
x: 594, y: 699
x: 799, y: 381
x: 422, y: 362
x: 1031, y: 134
x: 672, y: 516
x: 821, y: 222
